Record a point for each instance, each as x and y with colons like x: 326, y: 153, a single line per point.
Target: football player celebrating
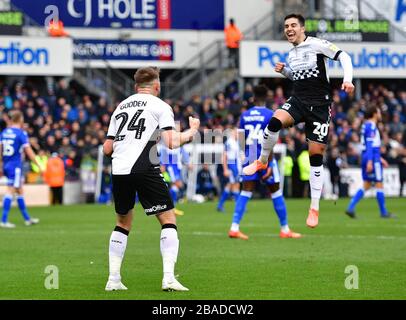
x: 310, y: 102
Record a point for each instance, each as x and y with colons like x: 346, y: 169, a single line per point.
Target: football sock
x: 240, y: 207
x: 271, y: 136
x: 236, y: 195
x: 316, y: 184
x: 269, y: 141
x: 23, y: 208
x: 174, y: 193
x: 169, y: 250
x: 7, y: 200
x: 118, y: 244
x: 280, y: 207
x: 224, y: 197
x: 380, y: 196
x: 285, y: 228
x: 357, y: 197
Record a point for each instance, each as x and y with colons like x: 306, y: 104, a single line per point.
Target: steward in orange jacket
x: 55, y: 177
x: 233, y: 36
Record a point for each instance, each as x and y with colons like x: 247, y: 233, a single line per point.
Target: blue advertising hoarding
x: 35, y: 56
x: 369, y: 59
x: 138, y: 14
x: 140, y: 50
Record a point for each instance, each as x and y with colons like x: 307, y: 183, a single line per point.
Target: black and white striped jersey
x: 134, y: 127
x: 308, y: 70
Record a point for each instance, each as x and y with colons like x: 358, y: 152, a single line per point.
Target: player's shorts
x: 14, y: 176
x: 376, y: 175
x: 273, y: 179
x: 151, y: 188
x: 234, y: 174
x: 174, y: 173
x: 316, y: 118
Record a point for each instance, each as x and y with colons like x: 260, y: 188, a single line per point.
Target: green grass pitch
x: 75, y: 239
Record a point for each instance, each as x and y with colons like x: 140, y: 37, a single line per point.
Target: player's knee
x: 316, y: 160
x: 167, y: 217
x: 125, y: 220
x: 248, y: 186
x: 379, y: 185
x: 274, y: 125
x: 274, y: 187
x: 316, y: 148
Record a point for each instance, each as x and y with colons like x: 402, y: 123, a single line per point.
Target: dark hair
x: 231, y: 20
x: 260, y: 92
x: 298, y: 16
x: 146, y: 75
x: 370, y: 111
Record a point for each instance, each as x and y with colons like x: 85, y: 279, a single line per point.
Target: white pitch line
x: 270, y: 235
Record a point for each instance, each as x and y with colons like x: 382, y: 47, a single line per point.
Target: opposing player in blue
x: 231, y: 169
x: 13, y: 141
x: 372, y: 162
x: 253, y: 122
x: 173, y: 161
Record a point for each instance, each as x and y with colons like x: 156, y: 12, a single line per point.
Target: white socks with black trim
x: 118, y: 244
x: 268, y: 142
x: 169, y: 250
x: 316, y: 185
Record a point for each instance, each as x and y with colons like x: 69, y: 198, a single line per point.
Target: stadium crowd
x: 58, y: 119
x: 71, y: 122
x: 347, y: 113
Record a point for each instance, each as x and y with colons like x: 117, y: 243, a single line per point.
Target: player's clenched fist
x: 279, y: 67
x: 347, y: 87
x: 194, y: 123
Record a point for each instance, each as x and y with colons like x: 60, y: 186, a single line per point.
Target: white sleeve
x: 346, y: 63
x: 166, y: 119
x: 330, y: 50
x: 287, y: 72
x: 111, y: 132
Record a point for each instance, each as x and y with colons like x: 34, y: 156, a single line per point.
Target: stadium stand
x: 68, y: 120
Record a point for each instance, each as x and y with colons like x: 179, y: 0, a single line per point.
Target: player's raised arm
x: 346, y: 64
x: 174, y: 139
x: 331, y: 51
x: 282, y: 68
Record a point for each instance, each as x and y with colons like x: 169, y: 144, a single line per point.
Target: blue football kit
x: 253, y: 122
x: 13, y: 141
x: 371, y: 144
